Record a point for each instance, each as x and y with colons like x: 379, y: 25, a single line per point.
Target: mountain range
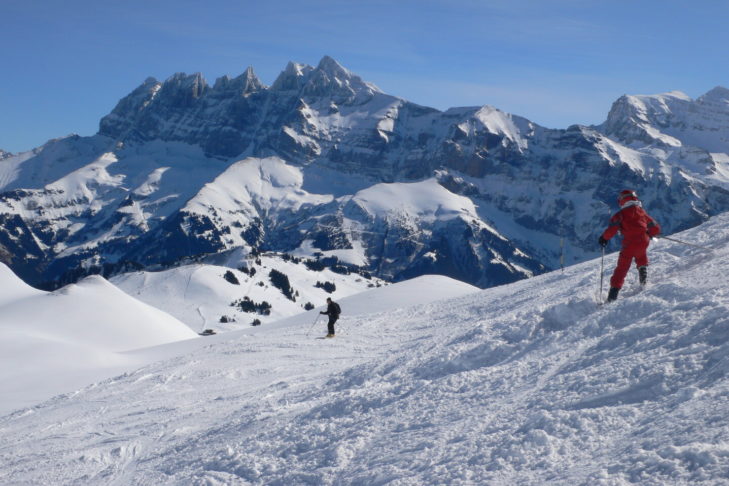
x: 322, y: 164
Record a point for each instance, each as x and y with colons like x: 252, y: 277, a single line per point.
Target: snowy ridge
x: 511, y: 127
x: 13, y: 287
x: 200, y: 296
x: 56, y: 341
x: 250, y: 189
x: 518, y: 384
x: 675, y: 128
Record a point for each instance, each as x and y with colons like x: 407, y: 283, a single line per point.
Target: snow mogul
x: 637, y: 228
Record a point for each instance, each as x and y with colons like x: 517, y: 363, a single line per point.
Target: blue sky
x: 65, y: 64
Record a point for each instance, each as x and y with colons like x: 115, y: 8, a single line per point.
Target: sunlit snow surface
x: 529, y: 384
x: 199, y: 295
x: 54, y: 342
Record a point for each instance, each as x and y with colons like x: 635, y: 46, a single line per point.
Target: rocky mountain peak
x: 244, y: 84
x: 330, y: 79
x: 624, y: 121
x: 251, y: 80
x: 330, y: 65
x: 718, y: 94
x: 124, y: 114
x: 671, y: 120
x: 293, y: 77
x: 182, y: 89
x: 634, y: 118
x: 334, y: 72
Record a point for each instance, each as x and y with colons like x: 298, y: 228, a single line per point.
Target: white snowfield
x: 526, y: 384
x: 426, y: 200
x: 54, y: 342
x: 199, y: 295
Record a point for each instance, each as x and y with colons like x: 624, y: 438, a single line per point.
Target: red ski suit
x: 637, y: 229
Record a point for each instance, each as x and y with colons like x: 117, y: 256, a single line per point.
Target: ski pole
x: 205, y: 321
x: 312, y: 325
x: 602, y: 273
x: 684, y: 243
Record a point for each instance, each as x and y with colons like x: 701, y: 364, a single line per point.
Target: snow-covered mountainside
x: 230, y: 297
x: 530, y: 383
x: 58, y: 341
x: 324, y: 162
x: 672, y: 120
x: 691, y: 134
x: 55, y: 342
x: 61, y: 341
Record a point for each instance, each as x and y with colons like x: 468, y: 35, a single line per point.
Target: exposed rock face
x: 672, y: 120
x: 323, y: 161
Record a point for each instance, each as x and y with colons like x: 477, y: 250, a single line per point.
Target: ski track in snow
x: 527, y: 384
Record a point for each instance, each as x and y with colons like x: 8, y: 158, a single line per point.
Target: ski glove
x: 603, y: 242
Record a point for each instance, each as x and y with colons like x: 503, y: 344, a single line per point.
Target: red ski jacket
x: 635, y: 225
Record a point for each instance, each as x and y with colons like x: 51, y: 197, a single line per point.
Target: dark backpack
x: 337, y: 309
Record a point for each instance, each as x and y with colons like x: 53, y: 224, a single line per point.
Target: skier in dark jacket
x: 333, y: 311
x: 637, y: 228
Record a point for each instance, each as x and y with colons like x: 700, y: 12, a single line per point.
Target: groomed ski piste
x: 531, y: 383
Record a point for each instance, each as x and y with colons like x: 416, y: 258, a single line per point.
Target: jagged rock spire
x: 293, y: 77
x: 244, y: 84
x: 124, y: 114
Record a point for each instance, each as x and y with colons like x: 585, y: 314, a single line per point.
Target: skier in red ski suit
x: 637, y: 229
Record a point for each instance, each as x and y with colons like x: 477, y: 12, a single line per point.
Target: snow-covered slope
x: 13, y: 287
x: 529, y: 383
x: 55, y: 342
x: 200, y: 295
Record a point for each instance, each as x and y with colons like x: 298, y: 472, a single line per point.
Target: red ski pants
x: 635, y: 250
